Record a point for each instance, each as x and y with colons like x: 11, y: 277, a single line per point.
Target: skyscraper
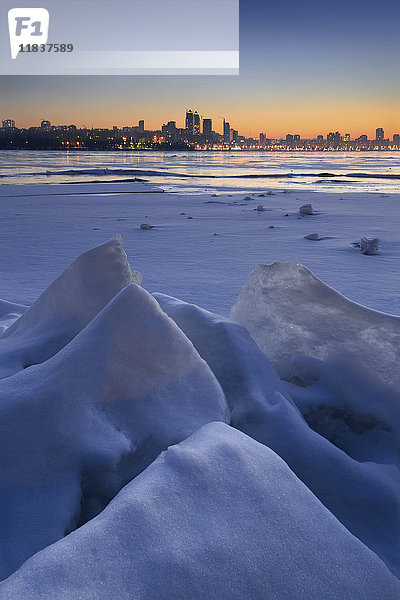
x: 396, y: 138
x: 196, y: 123
x: 263, y: 139
x: 207, y: 126
x: 346, y: 137
x: 141, y: 126
x: 334, y: 138
x: 8, y: 123
x: 45, y: 125
x: 227, y: 131
x: 380, y: 134
x: 289, y: 138
x: 189, y: 123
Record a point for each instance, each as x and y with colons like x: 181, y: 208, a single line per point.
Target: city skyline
x: 301, y: 69
x: 197, y: 133
x: 196, y: 124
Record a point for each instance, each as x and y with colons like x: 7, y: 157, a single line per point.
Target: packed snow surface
x: 152, y: 449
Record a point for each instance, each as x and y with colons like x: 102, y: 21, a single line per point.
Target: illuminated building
x: 8, y: 123
x: 380, y: 134
x: 346, y: 137
x: 189, y: 123
x: 170, y: 131
x: 396, y: 138
x: 334, y: 138
x: 45, y: 125
x: 141, y: 126
x: 196, y: 123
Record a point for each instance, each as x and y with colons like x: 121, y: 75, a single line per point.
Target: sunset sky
x: 306, y: 67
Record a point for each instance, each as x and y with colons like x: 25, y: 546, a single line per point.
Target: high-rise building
x: 263, y: 139
x: 207, y: 126
x: 8, y: 123
x: 170, y: 130
x: 320, y: 139
x: 189, y: 123
x: 234, y: 135
x: 296, y: 138
x: 346, y: 137
x: 396, y: 138
x: 45, y: 125
x: 380, y: 134
x: 334, y: 138
x: 227, y: 131
x: 196, y: 123
x: 363, y: 138
x: 289, y: 138
x: 141, y: 126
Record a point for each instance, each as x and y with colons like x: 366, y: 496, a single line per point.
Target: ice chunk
x: 66, y: 307
x: 369, y: 246
x: 306, y: 209
x: 289, y: 311
x: 77, y: 427
x: 363, y: 495
x: 217, y: 516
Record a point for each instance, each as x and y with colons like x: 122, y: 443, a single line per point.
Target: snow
x: 362, y: 492
x: 77, y: 427
x: 65, y: 307
x: 216, y: 516
x: 182, y: 257
x: 150, y: 448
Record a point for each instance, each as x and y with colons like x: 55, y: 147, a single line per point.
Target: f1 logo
x: 27, y: 25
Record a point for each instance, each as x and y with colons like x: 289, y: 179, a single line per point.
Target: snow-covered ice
x: 289, y: 311
x: 77, y: 427
x: 150, y: 448
x: 362, y: 492
x: 65, y: 307
x: 216, y: 516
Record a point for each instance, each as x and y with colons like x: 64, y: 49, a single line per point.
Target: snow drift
x: 289, y: 311
x: 217, y: 516
x: 66, y: 307
x: 76, y: 428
